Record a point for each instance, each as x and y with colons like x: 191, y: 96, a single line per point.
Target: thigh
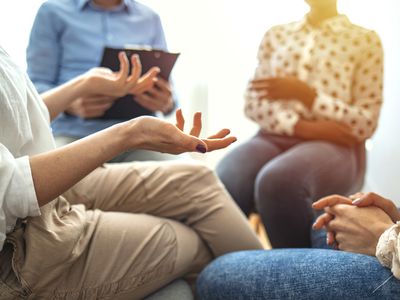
x: 130, y: 256
x: 187, y: 192
x: 297, y: 274
x: 286, y: 187
x: 239, y: 168
x: 319, y: 167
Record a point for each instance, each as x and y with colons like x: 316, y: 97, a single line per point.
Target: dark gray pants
x: 280, y: 177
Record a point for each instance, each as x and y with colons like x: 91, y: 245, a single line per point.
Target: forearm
x: 58, y: 99
x: 331, y: 131
x: 304, y: 129
x: 56, y: 171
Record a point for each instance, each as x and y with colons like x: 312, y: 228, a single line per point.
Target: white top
x: 341, y: 61
x: 24, y: 130
x: 388, y: 249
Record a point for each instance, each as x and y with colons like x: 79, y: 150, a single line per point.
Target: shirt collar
x: 83, y: 3
x: 336, y: 24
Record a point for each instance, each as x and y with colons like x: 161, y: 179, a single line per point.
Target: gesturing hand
x: 154, y: 134
x: 284, y: 88
x: 103, y: 81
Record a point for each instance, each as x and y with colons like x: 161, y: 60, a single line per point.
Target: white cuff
x: 387, y: 250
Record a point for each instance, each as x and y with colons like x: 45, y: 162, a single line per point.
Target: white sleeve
x: 17, y: 191
x: 276, y: 117
x: 363, y: 113
x: 388, y: 249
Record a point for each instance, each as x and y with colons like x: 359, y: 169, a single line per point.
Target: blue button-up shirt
x: 67, y: 39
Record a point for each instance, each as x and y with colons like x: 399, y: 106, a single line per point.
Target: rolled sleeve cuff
x: 42, y: 87
x: 387, y: 250
x: 32, y: 206
x: 287, y: 120
x: 322, y: 105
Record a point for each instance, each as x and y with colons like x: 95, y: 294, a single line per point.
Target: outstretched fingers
x: 215, y: 144
x: 220, y: 134
x: 188, y: 143
x: 123, y: 67
x: 136, y: 71
x: 180, y: 120
x: 196, y: 129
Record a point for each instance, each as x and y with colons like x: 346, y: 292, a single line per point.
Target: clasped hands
x: 103, y: 86
x: 355, y: 224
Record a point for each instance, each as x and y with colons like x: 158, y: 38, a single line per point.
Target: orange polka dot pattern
x: 341, y: 61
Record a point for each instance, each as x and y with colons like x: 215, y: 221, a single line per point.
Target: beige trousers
x: 142, y: 226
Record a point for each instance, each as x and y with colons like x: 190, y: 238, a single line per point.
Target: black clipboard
x: 126, y: 108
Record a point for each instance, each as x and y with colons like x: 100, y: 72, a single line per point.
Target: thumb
x: 372, y: 199
x: 191, y: 143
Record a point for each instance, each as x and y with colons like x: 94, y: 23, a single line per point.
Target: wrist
x: 303, y: 129
x: 127, y: 135
x: 82, y: 85
x: 309, y: 97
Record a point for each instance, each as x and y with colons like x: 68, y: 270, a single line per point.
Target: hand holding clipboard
x: 126, y: 107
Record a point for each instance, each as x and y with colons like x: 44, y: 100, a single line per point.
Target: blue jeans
x: 297, y: 274
x: 280, y: 177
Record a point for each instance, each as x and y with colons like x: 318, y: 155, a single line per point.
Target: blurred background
x: 218, y: 41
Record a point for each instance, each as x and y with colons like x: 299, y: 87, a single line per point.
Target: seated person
x: 316, y: 96
x: 70, y: 229
x: 67, y: 39
x: 365, y: 229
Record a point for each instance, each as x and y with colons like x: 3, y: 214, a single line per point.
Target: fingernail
x: 200, y: 148
x: 357, y: 201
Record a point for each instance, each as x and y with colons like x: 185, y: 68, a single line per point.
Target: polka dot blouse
x: 341, y: 61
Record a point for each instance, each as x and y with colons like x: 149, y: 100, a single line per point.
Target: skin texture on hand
x: 158, y: 135
x: 325, y: 130
x: 284, y: 88
x: 102, y: 86
x: 91, y: 106
x: 156, y: 98
x: 352, y: 228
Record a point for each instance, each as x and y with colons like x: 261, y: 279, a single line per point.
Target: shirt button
x: 109, y: 37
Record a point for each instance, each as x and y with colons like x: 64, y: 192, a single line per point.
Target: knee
x: 219, y: 278
x: 201, y: 175
x: 195, y: 181
x: 278, y: 184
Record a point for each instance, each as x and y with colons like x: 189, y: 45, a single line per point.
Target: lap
x: 319, y: 167
x: 297, y: 274
x: 250, y: 156
x: 141, y: 187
